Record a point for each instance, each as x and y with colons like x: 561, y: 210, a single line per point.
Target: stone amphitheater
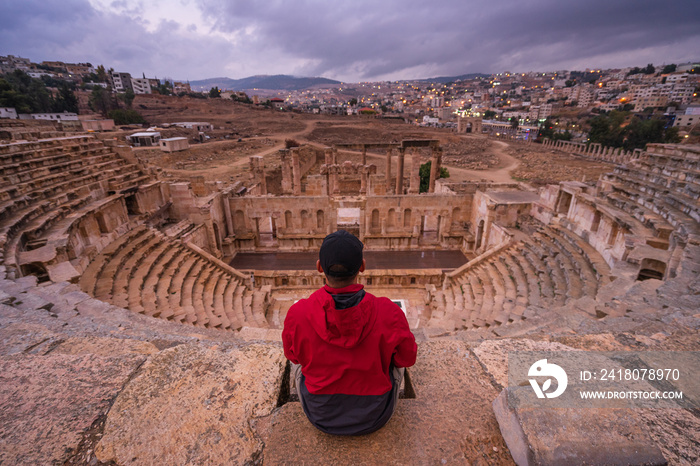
x: 140, y: 319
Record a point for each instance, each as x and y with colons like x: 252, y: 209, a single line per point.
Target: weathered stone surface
x: 47, y: 402
x: 493, y: 354
x: 574, y: 436
x: 191, y: 405
x: 264, y: 334
x: 675, y: 431
x: 104, y: 346
x: 19, y: 337
x: 450, y: 421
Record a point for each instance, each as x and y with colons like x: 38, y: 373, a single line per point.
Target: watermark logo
x: 542, y: 368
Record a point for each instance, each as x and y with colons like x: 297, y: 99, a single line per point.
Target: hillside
x: 276, y: 82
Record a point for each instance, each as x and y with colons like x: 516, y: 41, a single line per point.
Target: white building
x: 144, y: 139
x: 8, y: 112
x: 65, y: 116
x: 198, y: 125
x: 121, y: 81
x: 141, y: 85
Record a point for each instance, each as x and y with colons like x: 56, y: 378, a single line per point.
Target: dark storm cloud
x: 72, y: 31
x: 386, y: 38
x: 354, y: 40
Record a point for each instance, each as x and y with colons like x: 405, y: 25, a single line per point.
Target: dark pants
x: 397, y: 373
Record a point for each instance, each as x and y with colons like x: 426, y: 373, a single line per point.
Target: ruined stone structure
x: 469, y: 125
x: 85, y: 233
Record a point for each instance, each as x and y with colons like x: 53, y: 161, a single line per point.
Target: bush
x: 126, y: 117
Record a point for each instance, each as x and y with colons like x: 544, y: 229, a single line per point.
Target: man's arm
x: 407, y: 350
x: 288, y: 337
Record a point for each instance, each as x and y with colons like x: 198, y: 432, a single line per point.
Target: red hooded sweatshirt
x: 345, y: 356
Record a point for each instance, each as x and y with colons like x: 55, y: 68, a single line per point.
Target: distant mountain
x: 277, y: 82
x: 450, y: 79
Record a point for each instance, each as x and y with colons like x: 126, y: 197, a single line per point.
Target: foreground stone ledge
x: 537, y: 436
x: 192, y: 405
x: 449, y: 422
x: 47, y: 402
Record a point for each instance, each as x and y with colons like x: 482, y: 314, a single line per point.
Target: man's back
x: 346, y: 341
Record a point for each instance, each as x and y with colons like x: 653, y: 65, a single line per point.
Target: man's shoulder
x: 305, y: 303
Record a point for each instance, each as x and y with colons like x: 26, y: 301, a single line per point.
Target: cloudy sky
x: 350, y: 40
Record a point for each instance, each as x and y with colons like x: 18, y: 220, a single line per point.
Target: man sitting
x: 348, y: 347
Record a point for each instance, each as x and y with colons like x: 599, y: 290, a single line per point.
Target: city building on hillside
x: 141, y: 85
x: 39, y: 73
x: 11, y: 63
x: 121, y: 81
x: 79, y: 69
x: 181, y: 87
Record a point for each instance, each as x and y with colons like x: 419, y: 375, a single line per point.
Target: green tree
x: 101, y: 74
x: 101, y: 100
x: 546, y: 130
x: 127, y: 97
x: 514, y: 122
x: 488, y: 114
x: 668, y: 69
x: 424, y: 173
x: 649, y: 69
x: 65, y: 101
x: 214, y: 92
x: 353, y: 102
x: 126, y: 117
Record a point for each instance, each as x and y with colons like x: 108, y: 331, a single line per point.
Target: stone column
x: 363, y: 179
x: 335, y: 171
x: 414, y: 187
x: 296, y: 172
x: 399, y: 171
x: 387, y: 173
x: 227, y: 213
x: 286, y: 171
x: 435, y: 162
x: 364, y: 154
x: 257, y: 172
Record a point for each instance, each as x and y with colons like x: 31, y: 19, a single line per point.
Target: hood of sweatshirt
x: 342, y: 327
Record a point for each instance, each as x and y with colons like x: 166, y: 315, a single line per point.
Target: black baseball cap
x: 342, y: 249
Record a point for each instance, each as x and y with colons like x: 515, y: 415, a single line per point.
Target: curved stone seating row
x: 676, y: 213
x: 546, y: 269
x: 154, y: 275
x: 46, y: 181
x: 677, y: 194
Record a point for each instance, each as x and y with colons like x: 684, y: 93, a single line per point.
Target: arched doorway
x: 651, y: 268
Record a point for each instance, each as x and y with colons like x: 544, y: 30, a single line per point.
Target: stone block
x: 574, y: 436
x: 20, y: 337
x: 47, y: 402
x: 191, y: 405
x: 493, y: 354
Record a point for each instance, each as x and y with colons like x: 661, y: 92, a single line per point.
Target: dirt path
x: 500, y: 175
